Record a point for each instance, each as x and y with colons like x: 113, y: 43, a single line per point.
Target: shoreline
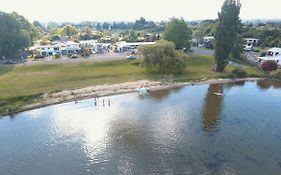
x: 49, y: 99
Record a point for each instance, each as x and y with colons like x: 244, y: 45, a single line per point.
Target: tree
x: 98, y: 26
x: 238, y: 47
x: 226, y: 33
x: 205, y: 28
x: 39, y: 27
x: 105, y: 26
x: 26, y: 26
x: 16, y: 34
x: 130, y: 36
x: 86, y: 34
x: 163, y: 57
x: 178, y: 32
x: 69, y: 30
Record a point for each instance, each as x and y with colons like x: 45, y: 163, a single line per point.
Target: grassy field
x: 21, y: 84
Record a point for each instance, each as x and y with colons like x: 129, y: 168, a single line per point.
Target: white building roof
x: 140, y: 43
x: 208, y: 37
x: 51, y: 46
x: 251, y: 39
x: 88, y: 41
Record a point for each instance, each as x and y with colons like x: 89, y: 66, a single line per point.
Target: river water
x: 187, y: 130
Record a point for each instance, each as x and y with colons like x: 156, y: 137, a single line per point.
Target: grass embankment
x: 24, y: 84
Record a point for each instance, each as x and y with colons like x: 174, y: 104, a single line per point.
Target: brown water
x: 187, y: 130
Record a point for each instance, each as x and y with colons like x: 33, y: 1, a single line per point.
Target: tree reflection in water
x: 212, y: 108
x: 267, y: 84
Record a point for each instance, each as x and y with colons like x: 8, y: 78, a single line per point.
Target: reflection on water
x: 234, y: 84
x: 162, y: 94
x: 212, y: 107
x: 267, y: 84
x: 167, y: 132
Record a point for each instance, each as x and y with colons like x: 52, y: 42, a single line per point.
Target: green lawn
x: 20, y: 84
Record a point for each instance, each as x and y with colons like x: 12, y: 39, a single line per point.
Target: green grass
x: 47, y: 77
x: 21, y: 84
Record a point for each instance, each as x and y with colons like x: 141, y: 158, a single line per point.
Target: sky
x: 130, y: 10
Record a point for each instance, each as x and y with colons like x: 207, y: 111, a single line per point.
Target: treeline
x: 268, y: 33
x: 139, y: 24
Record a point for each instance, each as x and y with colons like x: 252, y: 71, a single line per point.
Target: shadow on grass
x: 6, y: 69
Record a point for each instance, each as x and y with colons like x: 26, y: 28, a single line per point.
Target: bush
x: 3, y: 103
x: 57, y: 55
x: 263, y: 54
x: 172, y: 65
x: 269, y: 66
x: 38, y: 56
x: 277, y: 75
x: 85, y: 52
x: 239, y: 73
x: 136, y: 62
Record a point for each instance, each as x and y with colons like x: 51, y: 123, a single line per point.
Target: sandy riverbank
x: 114, y: 89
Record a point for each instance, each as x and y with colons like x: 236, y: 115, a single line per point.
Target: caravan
x: 273, y: 54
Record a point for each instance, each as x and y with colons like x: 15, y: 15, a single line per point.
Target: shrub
x: 57, y: 55
x: 172, y: 65
x: 269, y: 66
x: 238, y: 73
x: 3, y: 103
x: 38, y: 56
x: 277, y: 75
x: 85, y: 52
x: 136, y: 62
x: 263, y: 54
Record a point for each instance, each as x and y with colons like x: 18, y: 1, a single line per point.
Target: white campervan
x: 273, y: 54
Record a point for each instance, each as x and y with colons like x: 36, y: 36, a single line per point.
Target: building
x: 124, y: 46
x: 208, y: 42
x: 50, y: 50
x: 70, y: 47
x: 208, y: 39
x: 253, y: 42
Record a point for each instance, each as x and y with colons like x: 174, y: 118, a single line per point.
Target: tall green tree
x: 178, y: 32
x: 69, y: 30
x: 238, y: 47
x: 226, y: 33
x: 16, y: 34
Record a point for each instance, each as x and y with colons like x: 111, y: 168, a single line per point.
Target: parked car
x: 38, y: 56
x: 200, y: 45
x: 9, y: 62
x: 131, y: 57
x: 74, y: 56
